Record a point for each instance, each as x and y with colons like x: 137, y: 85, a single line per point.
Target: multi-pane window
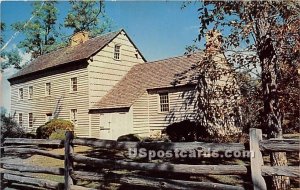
x: 74, y: 84
x: 20, y: 119
x: 48, y: 89
x: 73, y: 116
x: 30, y: 120
x: 117, y: 52
x: 21, y: 93
x: 164, y: 102
x: 30, y: 92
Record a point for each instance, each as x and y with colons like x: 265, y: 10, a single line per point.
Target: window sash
x: 30, y: 120
x: 30, y: 92
x: 48, y: 88
x: 20, y: 119
x: 21, y: 93
x: 73, y: 116
x: 117, y: 52
x: 164, y: 102
x: 74, y: 84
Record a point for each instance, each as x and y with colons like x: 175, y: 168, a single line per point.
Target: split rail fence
x: 20, y: 173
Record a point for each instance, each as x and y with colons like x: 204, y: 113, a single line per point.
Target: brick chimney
x: 213, y: 41
x: 79, y: 38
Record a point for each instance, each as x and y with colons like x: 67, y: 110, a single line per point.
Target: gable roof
x: 68, y: 54
x: 151, y: 75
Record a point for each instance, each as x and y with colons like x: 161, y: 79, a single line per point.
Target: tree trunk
x: 271, y: 114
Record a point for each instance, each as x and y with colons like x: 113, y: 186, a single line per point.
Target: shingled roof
x: 152, y: 75
x: 67, y: 54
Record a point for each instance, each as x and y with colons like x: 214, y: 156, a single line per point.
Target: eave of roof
x: 69, y: 55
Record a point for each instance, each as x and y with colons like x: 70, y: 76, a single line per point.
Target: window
x: 30, y: 120
x: 30, y: 92
x: 117, y: 52
x: 48, y: 116
x: 74, y: 84
x: 21, y: 94
x: 164, y: 102
x: 48, y: 89
x: 73, y: 116
x: 20, y: 119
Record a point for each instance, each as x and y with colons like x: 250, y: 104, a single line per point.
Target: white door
x: 119, y: 125
x: 105, y: 126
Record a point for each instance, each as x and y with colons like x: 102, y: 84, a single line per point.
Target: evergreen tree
x: 40, y: 32
x: 8, y: 58
x: 87, y: 16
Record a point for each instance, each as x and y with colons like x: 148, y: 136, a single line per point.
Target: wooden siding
x: 105, y: 71
x: 146, y: 111
x: 141, y: 116
x: 41, y: 104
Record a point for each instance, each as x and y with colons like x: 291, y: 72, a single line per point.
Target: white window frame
x: 72, y: 84
x: 117, y: 52
x: 74, y: 119
x: 164, y: 103
x: 30, y: 96
x: 48, y: 92
x: 21, y: 119
x: 19, y: 93
x: 30, y: 127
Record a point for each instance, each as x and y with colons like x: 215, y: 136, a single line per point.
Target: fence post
x: 68, y: 159
x: 256, y: 160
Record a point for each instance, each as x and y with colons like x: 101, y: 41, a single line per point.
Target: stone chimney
x: 79, y: 38
x: 213, y: 41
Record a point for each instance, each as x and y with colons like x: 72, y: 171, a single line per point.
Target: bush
x: 46, y: 130
x: 10, y: 128
x: 58, y: 135
x: 188, y: 131
x: 130, y: 137
x: 184, y: 131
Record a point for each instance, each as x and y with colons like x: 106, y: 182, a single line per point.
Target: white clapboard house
x: 105, y: 87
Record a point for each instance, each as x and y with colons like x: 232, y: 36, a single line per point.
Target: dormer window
x: 117, y: 52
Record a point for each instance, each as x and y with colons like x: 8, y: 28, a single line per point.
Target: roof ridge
x: 66, y: 47
x: 164, y: 59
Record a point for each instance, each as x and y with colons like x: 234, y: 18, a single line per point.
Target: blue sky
x: 160, y: 29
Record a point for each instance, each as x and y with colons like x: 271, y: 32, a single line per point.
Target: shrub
x: 46, y: 130
x: 58, y: 135
x: 130, y: 137
x: 182, y: 131
x: 186, y: 131
x: 10, y: 128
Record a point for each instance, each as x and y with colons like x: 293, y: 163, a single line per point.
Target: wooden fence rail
x: 20, y: 172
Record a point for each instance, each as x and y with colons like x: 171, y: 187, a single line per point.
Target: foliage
x: 86, y: 16
x: 58, y: 135
x: 261, y: 38
x: 40, y: 33
x: 130, y: 137
x: 9, y: 127
x: 261, y: 43
x: 8, y: 58
x: 46, y: 130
